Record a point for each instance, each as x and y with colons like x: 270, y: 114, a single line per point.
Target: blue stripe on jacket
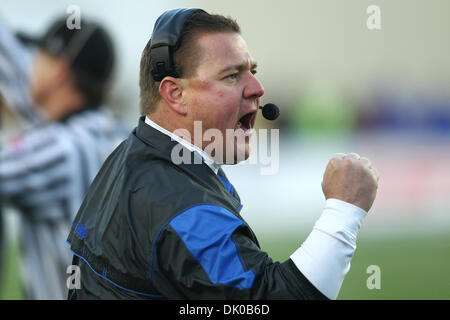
x: 227, y: 185
x: 206, y: 231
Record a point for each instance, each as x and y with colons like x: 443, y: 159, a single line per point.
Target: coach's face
x: 224, y: 93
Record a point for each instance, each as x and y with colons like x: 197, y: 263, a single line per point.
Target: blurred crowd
x: 385, y: 109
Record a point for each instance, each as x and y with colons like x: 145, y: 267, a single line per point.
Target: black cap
x: 89, y: 51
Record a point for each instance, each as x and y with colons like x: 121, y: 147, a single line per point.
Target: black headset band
x: 165, y: 37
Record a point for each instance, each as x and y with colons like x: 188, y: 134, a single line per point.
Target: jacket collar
x: 201, y: 154
x: 195, y: 167
x: 155, y: 138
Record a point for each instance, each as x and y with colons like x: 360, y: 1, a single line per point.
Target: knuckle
x: 334, y: 162
x: 347, y: 163
x: 364, y: 159
x: 337, y: 157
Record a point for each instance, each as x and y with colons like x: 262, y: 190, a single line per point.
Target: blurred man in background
x: 47, y: 168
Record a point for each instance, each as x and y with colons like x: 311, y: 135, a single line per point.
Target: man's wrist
x: 324, y: 257
x: 341, y: 219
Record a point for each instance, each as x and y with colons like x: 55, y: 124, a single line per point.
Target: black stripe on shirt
x: 36, y: 170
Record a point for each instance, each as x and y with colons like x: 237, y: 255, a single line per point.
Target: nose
x: 254, y: 88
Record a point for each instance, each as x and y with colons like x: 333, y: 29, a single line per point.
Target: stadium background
x: 341, y: 88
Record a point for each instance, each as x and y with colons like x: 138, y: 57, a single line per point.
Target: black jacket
x: 149, y: 228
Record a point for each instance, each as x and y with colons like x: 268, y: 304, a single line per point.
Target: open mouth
x: 246, y: 122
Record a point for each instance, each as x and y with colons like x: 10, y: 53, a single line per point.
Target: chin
x: 236, y: 153
x: 242, y: 153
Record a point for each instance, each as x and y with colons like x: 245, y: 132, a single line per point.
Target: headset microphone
x: 270, y: 111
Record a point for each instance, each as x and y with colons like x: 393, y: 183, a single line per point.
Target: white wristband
x: 324, y: 257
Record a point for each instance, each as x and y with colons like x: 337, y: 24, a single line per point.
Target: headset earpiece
x: 166, y: 34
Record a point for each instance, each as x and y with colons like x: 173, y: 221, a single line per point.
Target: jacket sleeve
x: 206, y: 252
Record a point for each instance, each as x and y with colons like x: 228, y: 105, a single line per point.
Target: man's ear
x: 171, y: 90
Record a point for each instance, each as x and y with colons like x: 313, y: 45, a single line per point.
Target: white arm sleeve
x: 324, y: 257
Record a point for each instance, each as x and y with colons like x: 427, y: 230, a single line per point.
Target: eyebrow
x: 239, y: 67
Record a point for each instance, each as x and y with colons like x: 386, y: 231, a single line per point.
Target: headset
x: 165, y: 37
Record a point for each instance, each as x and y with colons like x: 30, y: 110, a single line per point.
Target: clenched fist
x: 351, y: 178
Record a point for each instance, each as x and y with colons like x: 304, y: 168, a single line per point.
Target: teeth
x: 240, y: 126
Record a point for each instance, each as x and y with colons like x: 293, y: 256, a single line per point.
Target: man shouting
x: 153, y: 229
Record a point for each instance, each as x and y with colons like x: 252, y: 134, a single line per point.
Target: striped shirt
x: 57, y: 162
x: 45, y: 175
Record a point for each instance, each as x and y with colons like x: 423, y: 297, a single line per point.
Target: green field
x: 10, y: 288
x: 412, y: 267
